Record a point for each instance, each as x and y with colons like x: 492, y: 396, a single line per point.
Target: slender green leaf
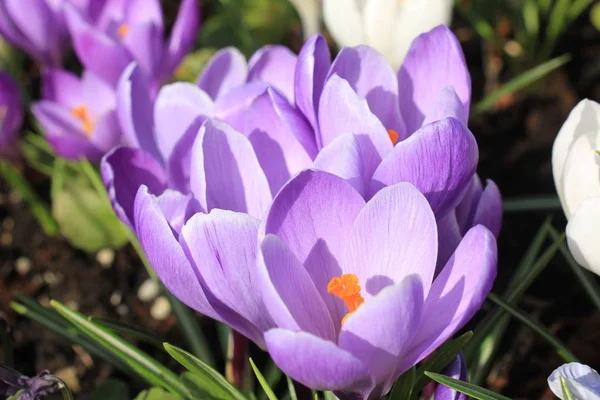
x: 291, y: 388
x: 595, y: 16
x: 113, y: 389
x: 403, y: 388
x: 466, y: 388
x: 127, y: 330
x: 193, y: 364
x: 156, y: 393
x: 263, y: 382
x: 555, y: 27
x: 202, y: 387
x: 522, y: 81
x: 440, y: 359
x: 146, y: 367
x: 536, y: 327
x: 578, y: 7
x: 537, y: 203
x: 566, y: 390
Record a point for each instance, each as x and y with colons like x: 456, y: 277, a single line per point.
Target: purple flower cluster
x: 328, y: 210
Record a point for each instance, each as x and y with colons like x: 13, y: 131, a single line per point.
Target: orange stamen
x: 393, y: 135
x: 346, y: 288
x: 81, y: 112
x: 123, y: 30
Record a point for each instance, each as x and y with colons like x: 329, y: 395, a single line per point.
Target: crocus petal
x: 226, y: 173
x: 142, y: 169
x: 448, y: 105
x: 449, y: 236
x: 98, y: 95
x: 343, y: 157
x: 222, y: 247
x: 376, y: 253
x: 344, y: 21
x: 183, y: 35
x: 138, y: 12
x: 301, y: 215
x: 310, y: 15
x: 465, y: 210
x: 341, y: 111
x: 232, y: 107
x: 177, y: 208
x: 315, y: 362
x: 457, y: 370
x: 135, y: 110
x: 583, y: 381
x: 281, y: 138
x: 581, y: 235
x: 11, y: 33
x: 62, y: 87
x: 489, y: 209
x: 456, y: 294
x: 144, y: 42
x: 179, y: 165
x: 276, y: 66
x: 312, y: 67
x: 372, y: 78
x: 226, y: 70
x: 177, y: 106
x: 95, y: 50
x: 380, y: 330
x: 289, y: 293
x: 439, y: 159
x: 574, y: 158
x: 166, y: 255
x: 435, y: 60
x: 74, y: 147
x: 106, y: 133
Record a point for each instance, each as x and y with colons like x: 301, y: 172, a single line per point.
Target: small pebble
x: 105, y: 258
x: 69, y: 375
x: 6, y: 238
x: 115, y: 298
x: 161, y: 309
x: 148, y: 290
x: 122, y: 310
x: 51, y: 278
x: 23, y: 265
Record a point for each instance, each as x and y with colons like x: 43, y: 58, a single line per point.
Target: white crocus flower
x: 310, y: 15
x: 583, y: 381
x: 387, y: 25
x: 576, y: 168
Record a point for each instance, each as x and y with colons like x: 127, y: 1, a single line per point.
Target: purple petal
x: 222, y: 247
x: 179, y: 165
x: 379, y: 332
x: 275, y: 65
x: 289, y: 293
x: 449, y: 236
x: 313, y: 214
x: 144, y: 42
x: 373, y: 79
x: 226, y: 70
x: 439, y: 159
x: 226, y: 173
x: 435, y: 60
x: 341, y: 111
x: 61, y: 86
x: 98, y: 95
x: 124, y: 170
x: 74, y: 147
x: 489, y: 209
x: 457, y: 370
x: 11, y: 106
x: 317, y: 363
x: 456, y: 294
x: 448, y: 105
x: 107, y: 132
x: 11, y: 33
x: 343, y: 157
x: 312, y: 67
x: 138, y: 12
x: 283, y: 141
x: 393, y: 237
x: 183, y: 35
x: 465, y: 210
x: 166, y: 255
x: 232, y: 107
x: 177, y: 106
x: 177, y: 208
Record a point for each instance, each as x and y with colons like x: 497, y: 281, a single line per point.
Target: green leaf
x: 201, y: 387
x: 595, y: 16
x: 566, y: 390
x: 112, y: 389
x: 403, y: 388
x: 148, y: 368
x: 521, y: 81
x: 211, y: 376
x: 536, y: 327
x: 291, y: 388
x: 263, y: 382
x: 466, y: 388
x: 440, y: 359
x: 128, y: 330
x: 555, y: 27
x: 156, y: 393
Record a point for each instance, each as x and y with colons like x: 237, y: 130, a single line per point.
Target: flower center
x: 81, y: 112
x: 123, y: 30
x: 346, y: 288
x: 393, y: 135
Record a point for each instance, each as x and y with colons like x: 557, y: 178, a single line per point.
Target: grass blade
x: 566, y: 390
x: 556, y: 26
x: 404, y: 387
x: 536, y: 327
x: 127, y: 330
x: 521, y: 81
x: 291, y: 389
x: 263, y: 382
x: 466, y: 388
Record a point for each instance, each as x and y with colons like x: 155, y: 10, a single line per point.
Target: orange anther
x: 346, y: 288
x: 393, y: 135
x: 81, y: 112
x: 123, y: 30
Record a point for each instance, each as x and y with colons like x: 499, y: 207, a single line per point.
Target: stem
x: 236, y: 369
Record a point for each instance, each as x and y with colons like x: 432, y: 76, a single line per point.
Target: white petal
x: 583, y: 234
x: 344, y: 21
x: 381, y: 18
x: 583, y: 381
x: 579, y: 135
x: 310, y: 15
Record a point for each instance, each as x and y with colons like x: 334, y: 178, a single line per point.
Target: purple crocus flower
x: 13, y: 382
x: 78, y: 115
x: 132, y: 30
x: 38, y: 27
x: 336, y: 298
x: 11, y: 115
x: 457, y: 370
